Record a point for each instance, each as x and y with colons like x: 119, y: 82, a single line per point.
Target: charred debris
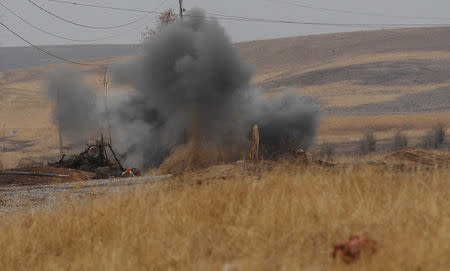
x: 99, y: 158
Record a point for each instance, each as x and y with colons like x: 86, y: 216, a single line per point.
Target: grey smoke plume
x: 287, y: 121
x: 191, y: 81
x: 75, y: 110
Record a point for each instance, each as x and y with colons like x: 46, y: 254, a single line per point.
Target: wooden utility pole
x: 4, y: 137
x: 59, y: 124
x: 105, y: 85
x: 181, y: 9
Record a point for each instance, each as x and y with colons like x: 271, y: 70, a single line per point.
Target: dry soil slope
x: 380, y: 71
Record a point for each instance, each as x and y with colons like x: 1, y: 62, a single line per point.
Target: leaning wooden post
x: 59, y: 124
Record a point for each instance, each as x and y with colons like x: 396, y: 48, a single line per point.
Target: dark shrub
x: 400, y: 141
x: 368, y: 143
x: 434, y: 138
x: 327, y: 150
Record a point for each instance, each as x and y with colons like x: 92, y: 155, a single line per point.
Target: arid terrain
x: 267, y: 215
x: 384, y: 80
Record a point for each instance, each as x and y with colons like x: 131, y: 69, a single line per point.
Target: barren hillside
x: 358, y: 72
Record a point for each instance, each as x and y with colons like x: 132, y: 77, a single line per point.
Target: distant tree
x: 400, y: 141
x: 166, y: 18
x: 434, y: 138
x: 368, y: 143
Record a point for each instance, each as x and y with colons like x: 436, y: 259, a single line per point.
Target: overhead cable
x: 72, y: 39
x: 257, y: 19
x: 47, y: 52
x: 79, y: 24
x: 375, y: 14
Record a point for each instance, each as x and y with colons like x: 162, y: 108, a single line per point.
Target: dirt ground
x: 74, y: 176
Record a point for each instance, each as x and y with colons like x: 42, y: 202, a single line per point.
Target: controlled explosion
x: 191, y: 88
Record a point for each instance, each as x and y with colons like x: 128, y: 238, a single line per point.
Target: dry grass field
x: 285, y: 218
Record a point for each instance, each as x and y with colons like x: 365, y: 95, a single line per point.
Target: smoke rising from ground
x: 75, y: 109
x: 287, y: 120
x: 190, y: 82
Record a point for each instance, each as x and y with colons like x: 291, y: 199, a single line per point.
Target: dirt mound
x: 195, y: 155
x: 418, y: 157
x: 74, y: 175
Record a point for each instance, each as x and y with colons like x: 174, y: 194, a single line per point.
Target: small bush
x: 368, y: 143
x: 400, y: 141
x: 327, y: 150
x: 434, y: 138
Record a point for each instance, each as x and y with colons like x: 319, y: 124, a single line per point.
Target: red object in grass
x: 351, y: 250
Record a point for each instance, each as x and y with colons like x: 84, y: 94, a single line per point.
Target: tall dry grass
x: 283, y: 219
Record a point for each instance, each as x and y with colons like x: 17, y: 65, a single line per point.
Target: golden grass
x: 346, y: 124
x: 352, y: 87
x: 378, y: 57
x: 357, y: 99
x: 287, y: 219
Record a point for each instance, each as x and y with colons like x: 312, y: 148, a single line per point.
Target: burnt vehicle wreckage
x: 99, y: 158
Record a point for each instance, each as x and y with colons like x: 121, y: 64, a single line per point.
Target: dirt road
x: 19, y: 196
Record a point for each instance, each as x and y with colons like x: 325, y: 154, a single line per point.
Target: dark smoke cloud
x: 75, y: 109
x: 287, y: 120
x: 191, y: 81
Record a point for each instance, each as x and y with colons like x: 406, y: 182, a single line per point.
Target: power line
x: 71, y: 39
x: 375, y: 14
x: 40, y: 29
x: 103, y: 7
x: 47, y: 52
x: 256, y: 19
x: 82, y: 25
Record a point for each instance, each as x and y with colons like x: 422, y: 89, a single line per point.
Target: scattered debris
x: 4, y: 201
x: 94, y: 159
x: 298, y: 155
x: 351, y: 250
x: 128, y: 173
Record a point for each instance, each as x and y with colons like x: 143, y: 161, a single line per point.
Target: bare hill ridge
x: 367, y: 72
x: 305, y: 51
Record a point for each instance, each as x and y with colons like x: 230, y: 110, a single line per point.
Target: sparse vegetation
x: 166, y: 18
x: 400, y: 141
x: 368, y: 143
x: 287, y: 220
x: 434, y: 138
